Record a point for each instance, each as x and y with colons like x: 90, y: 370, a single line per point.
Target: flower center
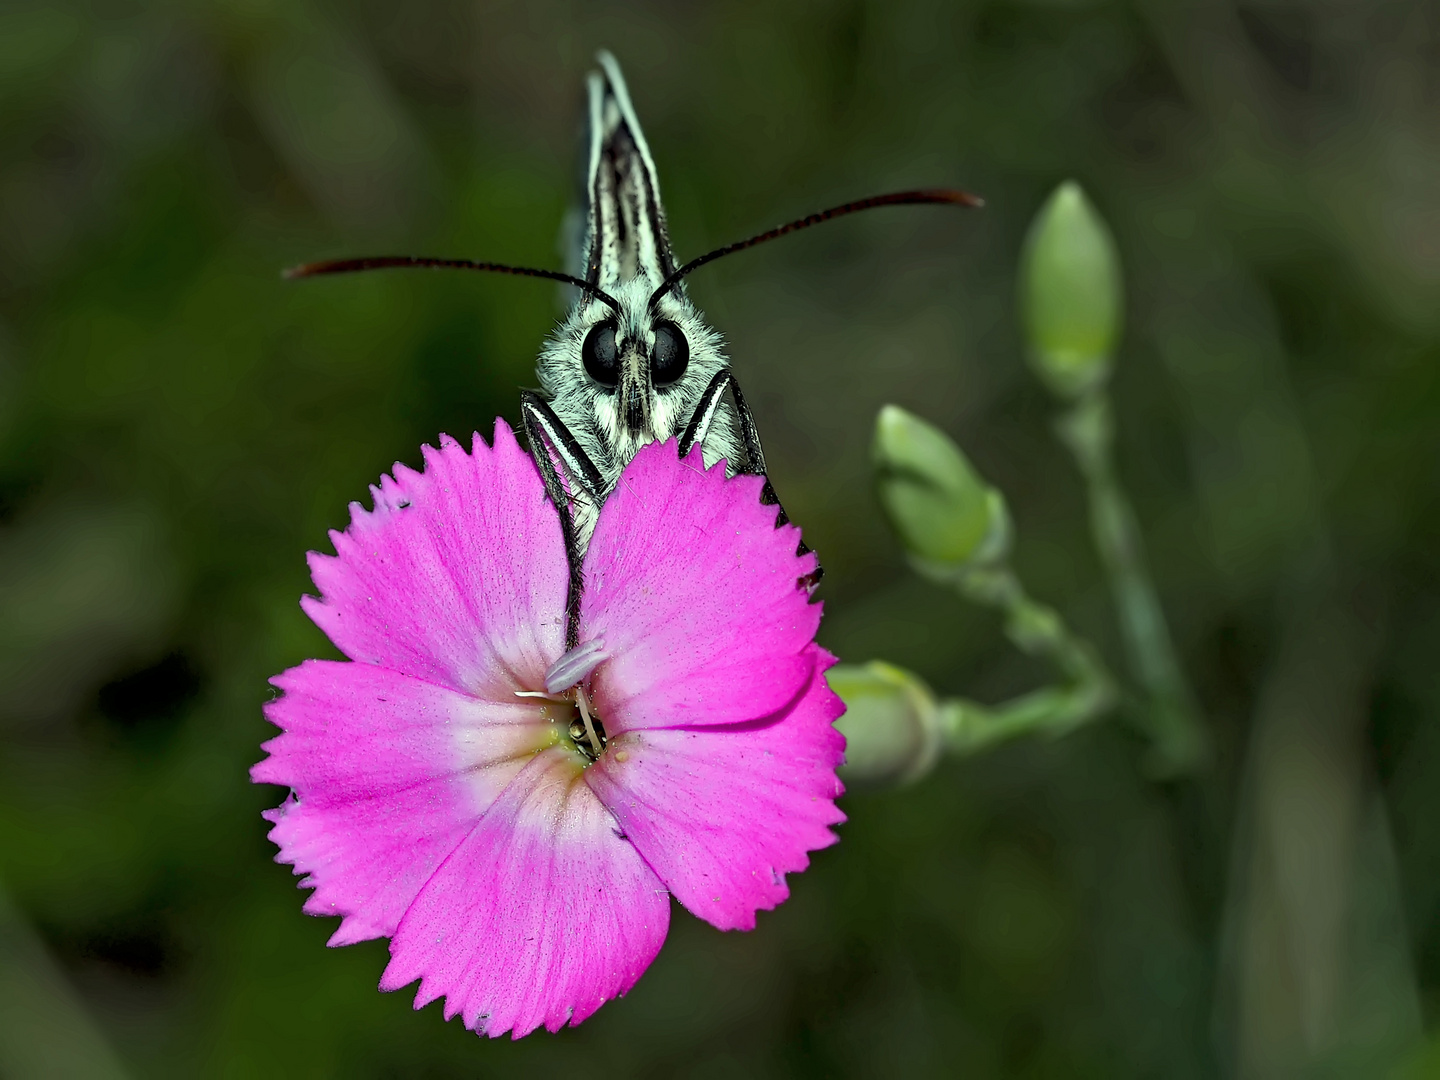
x: 571, y: 671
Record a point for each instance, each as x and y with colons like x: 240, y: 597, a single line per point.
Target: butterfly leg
x: 699, y: 426
x: 549, y: 439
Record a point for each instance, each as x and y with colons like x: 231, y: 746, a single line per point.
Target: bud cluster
x: 956, y: 530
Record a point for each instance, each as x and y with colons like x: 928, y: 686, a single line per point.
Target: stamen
x: 574, y: 666
x: 584, y: 702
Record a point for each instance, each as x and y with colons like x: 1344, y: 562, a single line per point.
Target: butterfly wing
x: 624, y: 235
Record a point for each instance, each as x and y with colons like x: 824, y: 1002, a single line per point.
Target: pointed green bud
x: 1071, y: 293
x: 944, y: 514
x: 892, y: 726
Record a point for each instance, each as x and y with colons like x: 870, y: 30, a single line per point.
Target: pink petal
x: 723, y: 813
x: 458, y: 575
x: 693, y: 591
x: 389, y: 775
x: 541, y: 915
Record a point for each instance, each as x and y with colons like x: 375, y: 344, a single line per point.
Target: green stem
x: 1039, y: 631
x: 1179, y: 741
x: 971, y: 727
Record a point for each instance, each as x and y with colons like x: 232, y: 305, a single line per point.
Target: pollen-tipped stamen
x: 574, y: 666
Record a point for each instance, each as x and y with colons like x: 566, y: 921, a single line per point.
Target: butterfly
x: 634, y: 360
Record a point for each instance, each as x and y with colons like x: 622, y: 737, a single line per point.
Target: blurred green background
x: 178, y: 426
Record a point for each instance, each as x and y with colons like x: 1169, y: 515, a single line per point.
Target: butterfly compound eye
x: 601, y: 357
x: 671, y: 355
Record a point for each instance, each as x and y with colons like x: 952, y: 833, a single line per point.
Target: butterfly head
x: 639, y: 368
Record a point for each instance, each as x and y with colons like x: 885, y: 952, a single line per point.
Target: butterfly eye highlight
x: 670, y: 355
x: 601, y: 355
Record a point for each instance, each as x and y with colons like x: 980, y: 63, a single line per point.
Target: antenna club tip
x: 305, y: 270
x: 962, y: 198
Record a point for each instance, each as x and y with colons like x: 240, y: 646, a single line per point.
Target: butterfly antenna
x: 942, y: 196
x: 390, y: 262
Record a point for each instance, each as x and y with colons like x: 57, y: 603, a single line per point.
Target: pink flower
x: 519, y: 843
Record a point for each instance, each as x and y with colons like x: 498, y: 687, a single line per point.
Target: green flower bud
x: 1071, y: 293
x: 944, y: 514
x: 892, y: 726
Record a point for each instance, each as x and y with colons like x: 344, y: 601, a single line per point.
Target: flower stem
x: 1038, y: 630
x: 1179, y: 741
